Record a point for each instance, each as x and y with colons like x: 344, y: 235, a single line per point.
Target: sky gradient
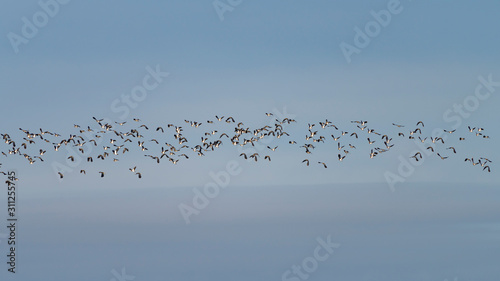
x: 441, y: 222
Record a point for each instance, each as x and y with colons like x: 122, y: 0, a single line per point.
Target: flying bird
x: 442, y: 157
x: 323, y: 163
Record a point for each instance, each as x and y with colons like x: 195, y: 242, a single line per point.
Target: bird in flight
x: 442, y: 157
x: 235, y: 132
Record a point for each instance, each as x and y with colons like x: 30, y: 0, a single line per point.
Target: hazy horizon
x: 220, y: 217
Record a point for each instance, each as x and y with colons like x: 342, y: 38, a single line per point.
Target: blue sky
x: 261, y: 57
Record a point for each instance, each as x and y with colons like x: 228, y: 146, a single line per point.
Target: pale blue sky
x: 263, y: 56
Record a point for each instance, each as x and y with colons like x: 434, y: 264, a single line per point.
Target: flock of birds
x: 118, y: 141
